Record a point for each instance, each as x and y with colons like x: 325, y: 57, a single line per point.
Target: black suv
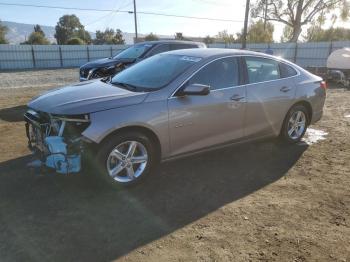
x: 113, y: 65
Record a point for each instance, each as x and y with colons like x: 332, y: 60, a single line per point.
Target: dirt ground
x: 254, y: 202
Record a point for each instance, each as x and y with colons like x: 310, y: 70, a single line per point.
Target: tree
x: 37, y: 29
x: 108, y: 37
x: 3, y: 31
x: 119, y: 40
x: 69, y: 27
x: 287, y: 34
x: 208, y: 40
x: 258, y: 33
x: 317, y: 34
x: 179, y: 36
x: 100, y: 37
x: 297, y: 13
x: 75, y: 41
x: 226, y: 37
x: 37, y: 37
x: 151, y: 37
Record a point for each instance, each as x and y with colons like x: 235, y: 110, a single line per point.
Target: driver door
x: 197, y: 122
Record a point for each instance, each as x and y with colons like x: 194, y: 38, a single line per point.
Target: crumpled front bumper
x: 53, y: 150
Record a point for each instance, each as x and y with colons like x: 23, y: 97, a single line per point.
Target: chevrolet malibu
x: 172, y: 105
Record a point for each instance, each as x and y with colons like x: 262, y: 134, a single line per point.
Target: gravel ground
x: 38, y: 78
x: 254, y: 202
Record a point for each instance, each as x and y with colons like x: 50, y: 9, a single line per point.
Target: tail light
x: 323, y: 85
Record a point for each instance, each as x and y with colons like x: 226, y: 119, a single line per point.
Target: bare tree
x: 297, y: 13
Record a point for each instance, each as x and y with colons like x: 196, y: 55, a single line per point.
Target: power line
x: 122, y: 11
x: 113, y: 12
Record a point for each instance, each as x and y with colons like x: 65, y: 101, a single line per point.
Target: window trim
x: 244, y: 72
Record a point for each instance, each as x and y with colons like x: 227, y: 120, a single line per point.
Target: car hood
x: 106, y: 62
x: 86, y: 97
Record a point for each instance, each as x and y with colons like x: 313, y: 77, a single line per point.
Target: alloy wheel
x: 296, y: 125
x: 127, y: 161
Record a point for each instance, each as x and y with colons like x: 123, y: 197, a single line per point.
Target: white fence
x: 312, y: 54
x: 14, y: 57
x: 53, y: 56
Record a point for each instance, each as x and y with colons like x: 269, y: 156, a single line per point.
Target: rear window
x: 287, y: 71
x: 262, y: 69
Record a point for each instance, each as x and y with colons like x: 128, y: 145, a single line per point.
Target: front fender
x: 152, y: 115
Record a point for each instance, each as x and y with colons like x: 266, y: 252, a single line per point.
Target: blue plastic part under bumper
x: 58, y: 158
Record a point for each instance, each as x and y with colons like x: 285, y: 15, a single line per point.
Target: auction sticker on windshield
x: 191, y: 58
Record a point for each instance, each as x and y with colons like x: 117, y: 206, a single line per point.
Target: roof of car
x: 170, y: 42
x: 207, y: 52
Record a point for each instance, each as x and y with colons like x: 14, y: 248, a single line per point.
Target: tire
x: 299, y: 113
x: 108, y: 160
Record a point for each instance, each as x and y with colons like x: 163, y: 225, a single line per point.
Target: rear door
x: 270, y: 94
x: 197, y: 122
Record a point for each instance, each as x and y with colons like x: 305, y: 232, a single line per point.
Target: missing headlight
x: 74, y: 125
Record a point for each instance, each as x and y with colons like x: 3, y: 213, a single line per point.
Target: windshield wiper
x: 125, y: 86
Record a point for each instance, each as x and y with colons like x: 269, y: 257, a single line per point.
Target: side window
x: 159, y: 49
x: 218, y: 74
x: 262, y: 69
x: 287, y: 71
x: 182, y: 46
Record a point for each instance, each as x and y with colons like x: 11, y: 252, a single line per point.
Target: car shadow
x: 71, y: 218
x: 13, y: 114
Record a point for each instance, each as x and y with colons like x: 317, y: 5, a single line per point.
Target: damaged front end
x: 57, y: 140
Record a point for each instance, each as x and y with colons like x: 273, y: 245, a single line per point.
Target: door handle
x: 237, y: 97
x: 285, y: 89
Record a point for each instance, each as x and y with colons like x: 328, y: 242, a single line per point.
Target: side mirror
x: 195, y: 90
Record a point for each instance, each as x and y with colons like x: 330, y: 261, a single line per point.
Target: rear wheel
x: 295, y: 124
x: 126, y: 159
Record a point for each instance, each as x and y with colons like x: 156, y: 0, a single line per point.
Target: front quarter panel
x: 151, y: 115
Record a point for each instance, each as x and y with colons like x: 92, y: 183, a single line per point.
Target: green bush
x: 75, y: 41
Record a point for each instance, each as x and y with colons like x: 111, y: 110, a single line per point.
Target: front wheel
x: 126, y: 159
x: 295, y: 124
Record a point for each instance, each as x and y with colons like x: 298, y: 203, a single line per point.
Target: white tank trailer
x: 338, y: 66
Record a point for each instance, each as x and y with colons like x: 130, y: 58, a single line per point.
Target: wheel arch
x: 304, y: 103
x: 141, y: 129
x: 308, y: 107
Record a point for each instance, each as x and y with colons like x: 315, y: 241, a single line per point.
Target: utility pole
x: 244, y: 37
x: 135, y: 20
x: 265, y: 15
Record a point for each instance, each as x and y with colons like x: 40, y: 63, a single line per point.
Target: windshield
x: 155, y: 72
x: 133, y: 51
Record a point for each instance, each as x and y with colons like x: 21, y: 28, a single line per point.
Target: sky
x: 95, y: 20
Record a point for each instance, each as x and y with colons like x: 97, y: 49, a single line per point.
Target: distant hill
x: 18, y: 32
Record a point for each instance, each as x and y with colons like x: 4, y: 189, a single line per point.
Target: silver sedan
x: 169, y: 106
